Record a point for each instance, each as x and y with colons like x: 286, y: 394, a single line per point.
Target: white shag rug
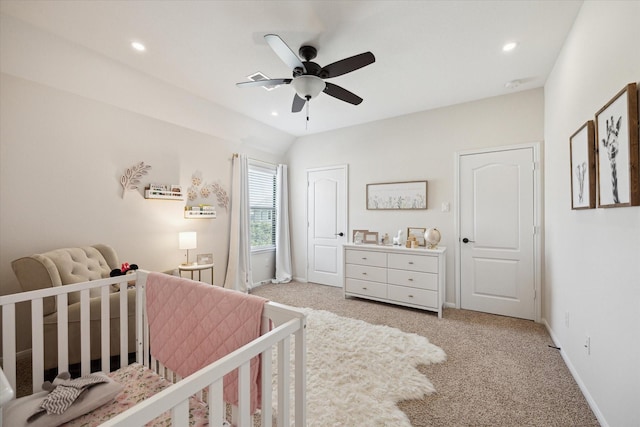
x: 357, y: 372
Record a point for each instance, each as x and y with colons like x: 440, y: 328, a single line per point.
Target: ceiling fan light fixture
x: 308, y: 87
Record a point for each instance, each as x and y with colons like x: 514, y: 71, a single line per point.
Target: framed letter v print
x: 583, y: 167
x: 619, y: 150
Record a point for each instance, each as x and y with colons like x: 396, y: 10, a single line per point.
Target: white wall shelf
x: 164, y: 195
x: 199, y: 214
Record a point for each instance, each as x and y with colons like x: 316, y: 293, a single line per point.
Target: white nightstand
x: 198, y: 268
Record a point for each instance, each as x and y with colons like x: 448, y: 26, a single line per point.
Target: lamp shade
x: 187, y: 240
x: 308, y: 87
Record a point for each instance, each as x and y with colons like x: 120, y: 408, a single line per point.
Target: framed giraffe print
x: 582, y: 150
x: 618, y: 150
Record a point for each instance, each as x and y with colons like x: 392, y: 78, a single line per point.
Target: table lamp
x: 187, y: 240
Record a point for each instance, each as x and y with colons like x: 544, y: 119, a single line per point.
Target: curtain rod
x: 235, y: 155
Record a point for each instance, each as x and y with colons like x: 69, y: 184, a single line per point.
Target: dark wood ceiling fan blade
x: 270, y: 82
x: 298, y: 103
x: 347, y: 65
x: 342, y: 94
x: 284, y: 52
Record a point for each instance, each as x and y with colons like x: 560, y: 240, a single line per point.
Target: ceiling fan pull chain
x: 306, y: 127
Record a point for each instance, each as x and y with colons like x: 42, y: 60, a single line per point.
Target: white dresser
x: 397, y: 275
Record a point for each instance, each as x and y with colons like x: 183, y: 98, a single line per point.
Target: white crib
x: 287, y: 322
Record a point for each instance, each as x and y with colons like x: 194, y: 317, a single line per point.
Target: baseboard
x: 300, y: 279
x: 450, y: 305
x: 576, y: 377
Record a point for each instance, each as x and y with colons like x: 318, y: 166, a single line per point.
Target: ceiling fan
x: 308, y: 77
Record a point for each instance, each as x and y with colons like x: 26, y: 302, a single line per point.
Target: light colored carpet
x: 358, y: 372
x: 500, y: 371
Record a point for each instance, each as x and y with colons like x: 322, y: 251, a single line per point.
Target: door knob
x: 339, y: 234
x: 465, y: 240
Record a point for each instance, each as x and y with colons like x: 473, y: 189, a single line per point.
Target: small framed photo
x: 618, y: 150
x: 582, y: 149
x: 370, y: 237
x: 353, y: 235
x: 203, y: 259
x: 418, y: 233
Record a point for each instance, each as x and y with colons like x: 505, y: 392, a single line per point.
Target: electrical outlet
x: 587, y: 345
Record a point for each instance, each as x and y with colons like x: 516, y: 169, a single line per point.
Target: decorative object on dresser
x: 397, y: 195
x: 396, y: 238
x: 418, y: 233
x: 583, y: 167
x: 409, y: 277
x: 132, y: 175
x: 187, y: 240
x: 358, y: 236
x: 370, y: 237
x: 432, y: 237
x: 618, y: 150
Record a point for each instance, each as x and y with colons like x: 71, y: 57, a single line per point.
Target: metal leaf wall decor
x: 131, y: 177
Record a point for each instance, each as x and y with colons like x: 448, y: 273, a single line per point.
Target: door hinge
x: 534, y: 165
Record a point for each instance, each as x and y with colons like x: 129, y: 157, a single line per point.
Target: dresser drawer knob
x: 364, y: 288
x: 364, y: 257
x: 410, y: 262
x: 364, y: 273
x: 410, y: 296
x: 411, y: 280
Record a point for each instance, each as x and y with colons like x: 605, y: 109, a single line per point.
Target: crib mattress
x: 139, y: 383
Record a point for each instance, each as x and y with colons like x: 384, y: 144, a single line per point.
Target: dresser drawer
x: 427, y: 264
x: 376, y: 259
x: 365, y: 272
x: 414, y: 279
x: 413, y: 296
x: 362, y: 287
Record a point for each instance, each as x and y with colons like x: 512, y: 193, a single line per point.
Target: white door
x: 497, y: 213
x: 327, y: 224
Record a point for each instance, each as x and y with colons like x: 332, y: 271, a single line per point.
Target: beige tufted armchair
x: 67, y: 266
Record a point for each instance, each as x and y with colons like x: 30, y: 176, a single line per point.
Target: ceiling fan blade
x: 270, y: 82
x: 347, y: 65
x: 284, y: 52
x: 298, y: 103
x: 342, y: 94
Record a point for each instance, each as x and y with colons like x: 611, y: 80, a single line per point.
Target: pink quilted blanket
x: 192, y: 324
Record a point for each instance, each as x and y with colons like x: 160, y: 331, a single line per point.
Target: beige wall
x: 593, y: 256
x: 419, y: 146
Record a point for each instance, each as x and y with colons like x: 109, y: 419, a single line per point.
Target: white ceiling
x: 429, y: 54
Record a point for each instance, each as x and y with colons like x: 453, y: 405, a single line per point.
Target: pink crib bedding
x: 139, y: 383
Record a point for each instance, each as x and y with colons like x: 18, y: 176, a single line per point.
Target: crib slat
x: 105, y: 329
x: 267, y: 388
x: 124, y: 329
x: 217, y: 412
x: 37, y: 344
x: 180, y: 414
x: 142, y: 347
x: 244, y: 389
x: 284, y: 368
x: 9, y: 343
x: 85, y: 343
x: 300, y: 337
x: 63, y: 332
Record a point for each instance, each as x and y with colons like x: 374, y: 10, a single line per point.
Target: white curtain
x: 239, y: 265
x: 283, y: 244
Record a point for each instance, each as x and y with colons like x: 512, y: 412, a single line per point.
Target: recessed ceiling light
x: 274, y: 113
x: 508, y: 47
x: 138, y: 46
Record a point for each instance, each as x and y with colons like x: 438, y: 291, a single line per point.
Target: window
x: 262, y: 205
